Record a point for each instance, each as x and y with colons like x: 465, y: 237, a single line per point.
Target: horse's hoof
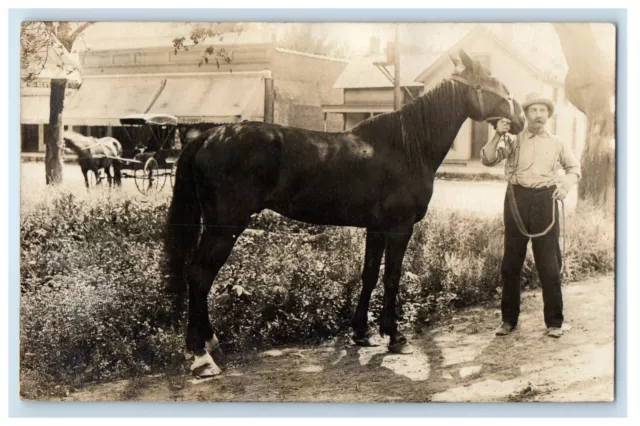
x: 403, y: 348
x: 211, y: 344
x: 204, y: 366
x: 213, y: 348
x: 187, y: 354
x: 204, y: 373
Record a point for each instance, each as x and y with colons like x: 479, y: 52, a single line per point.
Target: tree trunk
x: 598, y: 161
x: 53, y: 142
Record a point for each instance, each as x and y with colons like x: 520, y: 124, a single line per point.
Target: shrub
x: 93, y: 307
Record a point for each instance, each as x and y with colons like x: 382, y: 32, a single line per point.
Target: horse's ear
x: 466, y: 59
x: 456, y: 63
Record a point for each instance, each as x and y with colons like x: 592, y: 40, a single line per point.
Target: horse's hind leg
x: 213, y: 250
x: 117, y: 173
x: 371, y: 270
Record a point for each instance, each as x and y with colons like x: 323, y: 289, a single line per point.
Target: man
x: 530, y: 169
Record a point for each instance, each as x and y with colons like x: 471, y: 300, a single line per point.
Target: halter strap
x: 479, y: 91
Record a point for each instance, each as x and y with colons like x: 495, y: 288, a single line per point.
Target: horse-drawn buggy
x: 150, y: 163
x: 156, y: 150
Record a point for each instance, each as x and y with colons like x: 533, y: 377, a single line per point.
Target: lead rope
x: 520, y: 223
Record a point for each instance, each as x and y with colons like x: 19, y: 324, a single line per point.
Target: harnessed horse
x: 96, y: 154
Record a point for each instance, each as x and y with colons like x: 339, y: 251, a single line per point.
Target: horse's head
x: 68, y: 138
x: 489, y: 98
x: 75, y: 141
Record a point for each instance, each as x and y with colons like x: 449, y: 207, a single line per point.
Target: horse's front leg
x: 370, y: 272
x: 107, y: 170
x: 396, y: 246
x: 86, y: 178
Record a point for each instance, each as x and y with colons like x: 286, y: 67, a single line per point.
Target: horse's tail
x: 118, y: 147
x: 183, y: 223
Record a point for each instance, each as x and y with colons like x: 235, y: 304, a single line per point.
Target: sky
x: 535, y: 40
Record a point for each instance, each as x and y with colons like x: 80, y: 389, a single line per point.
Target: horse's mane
x: 423, y: 129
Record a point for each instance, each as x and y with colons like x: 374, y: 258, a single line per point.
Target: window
x: 29, y: 138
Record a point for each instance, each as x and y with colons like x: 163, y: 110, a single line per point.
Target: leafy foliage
x: 200, y: 35
x: 45, y: 42
x: 93, y: 306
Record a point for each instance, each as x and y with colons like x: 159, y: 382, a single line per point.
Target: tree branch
x: 74, y: 35
x: 589, y: 69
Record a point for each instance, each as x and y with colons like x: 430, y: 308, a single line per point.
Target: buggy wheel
x: 148, y: 179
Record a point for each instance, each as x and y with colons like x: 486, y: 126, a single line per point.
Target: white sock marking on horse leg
x: 205, y: 366
x: 211, y: 344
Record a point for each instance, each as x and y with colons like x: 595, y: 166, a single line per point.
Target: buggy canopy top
x: 150, y: 119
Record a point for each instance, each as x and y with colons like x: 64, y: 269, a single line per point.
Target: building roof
x: 363, y: 73
x: 415, y: 69
x: 310, y: 55
x: 482, y: 31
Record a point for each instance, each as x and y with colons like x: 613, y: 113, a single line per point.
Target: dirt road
x: 460, y: 361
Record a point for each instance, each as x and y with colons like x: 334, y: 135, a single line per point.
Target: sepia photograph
x: 342, y: 212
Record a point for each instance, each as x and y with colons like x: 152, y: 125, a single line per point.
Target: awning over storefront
x: 228, y: 99
x: 34, y: 109
x: 102, y: 101
x: 192, y: 98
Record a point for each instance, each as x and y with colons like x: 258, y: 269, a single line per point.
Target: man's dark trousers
x: 535, y: 206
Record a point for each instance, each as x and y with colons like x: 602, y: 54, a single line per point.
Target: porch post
x: 41, y: 138
x: 344, y: 121
x: 324, y: 124
x: 269, y: 97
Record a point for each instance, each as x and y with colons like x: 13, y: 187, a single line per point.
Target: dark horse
x: 96, y: 154
x: 378, y: 175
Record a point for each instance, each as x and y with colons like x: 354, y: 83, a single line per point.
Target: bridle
x: 479, y: 91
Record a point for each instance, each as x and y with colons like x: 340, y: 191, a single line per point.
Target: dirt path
x: 458, y: 362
